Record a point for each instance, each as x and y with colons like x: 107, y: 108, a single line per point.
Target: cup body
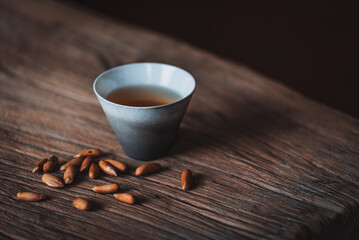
x: 145, y: 133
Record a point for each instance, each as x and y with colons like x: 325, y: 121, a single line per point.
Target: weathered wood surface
x: 269, y: 163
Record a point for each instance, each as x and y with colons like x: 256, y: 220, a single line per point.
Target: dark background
x: 311, y: 46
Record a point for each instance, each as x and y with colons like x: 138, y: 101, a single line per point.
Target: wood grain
x: 268, y: 162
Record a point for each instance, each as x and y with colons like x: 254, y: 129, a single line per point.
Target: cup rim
x: 148, y: 107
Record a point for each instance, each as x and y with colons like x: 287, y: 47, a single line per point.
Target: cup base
x: 146, y: 156
x: 148, y: 144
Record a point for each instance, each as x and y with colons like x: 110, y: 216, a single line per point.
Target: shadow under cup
x: 145, y: 133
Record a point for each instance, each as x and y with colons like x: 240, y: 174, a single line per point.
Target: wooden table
x: 268, y: 162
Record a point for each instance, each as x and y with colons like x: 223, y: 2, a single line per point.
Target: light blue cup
x: 145, y: 133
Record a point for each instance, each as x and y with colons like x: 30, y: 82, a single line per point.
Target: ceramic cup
x: 145, y: 133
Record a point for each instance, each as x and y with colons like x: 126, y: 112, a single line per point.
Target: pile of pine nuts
x: 84, y: 161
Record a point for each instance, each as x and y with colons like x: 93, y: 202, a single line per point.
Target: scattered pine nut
x: 186, y: 179
x: 52, y: 181
x: 82, y: 204
x: 76, y: 162
x: 86, y: 164
x: 30, y: 196
x: 107, y: 168
x: 94, y: 171
x: 125, y: 197
x: 106, y: 188
x: 94, y: 152
x: 147, y: 169
x: 51, y: 164
x: 121, y: 167
x: 70, y: 174
x: 39, y: 165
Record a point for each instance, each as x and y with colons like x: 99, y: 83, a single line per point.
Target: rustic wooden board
x: 269, y: 163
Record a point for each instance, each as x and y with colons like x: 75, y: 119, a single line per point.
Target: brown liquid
x: 143, y: 96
